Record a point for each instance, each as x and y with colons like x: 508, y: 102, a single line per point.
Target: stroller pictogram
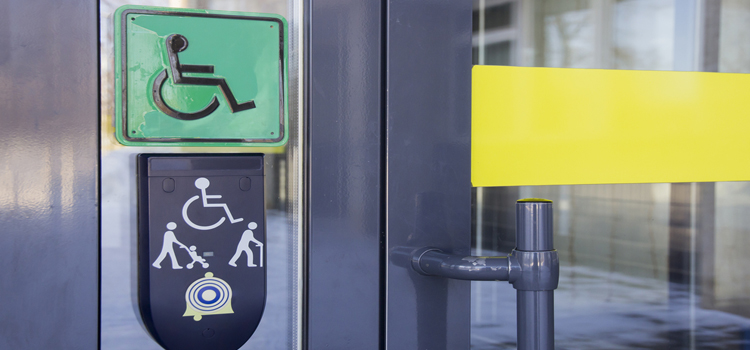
x: 176, y: 43
x: 196, y: 258
x: 202, y: 184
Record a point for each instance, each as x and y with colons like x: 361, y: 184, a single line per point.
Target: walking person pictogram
x: 177, y: 43
x: 244, y: 246
x: 168, y: 249
x: 202, y: 184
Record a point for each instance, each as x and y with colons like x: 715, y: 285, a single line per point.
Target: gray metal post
x: 533, y: 269
x: 535, y: 308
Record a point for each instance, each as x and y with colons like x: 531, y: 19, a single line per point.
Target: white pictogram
x: 196, y: 258
x: 167, y: 248
x: 244, y: 246
x: 202, y: 184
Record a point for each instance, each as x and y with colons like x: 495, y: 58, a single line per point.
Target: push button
x: 168, y: 185
x: 245, y: 183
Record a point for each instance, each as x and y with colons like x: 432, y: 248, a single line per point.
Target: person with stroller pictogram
x: 167, y: 248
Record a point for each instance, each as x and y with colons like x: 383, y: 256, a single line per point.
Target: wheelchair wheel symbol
x: 177, y: 43
x: 202, y: 184
x: 164, y: 108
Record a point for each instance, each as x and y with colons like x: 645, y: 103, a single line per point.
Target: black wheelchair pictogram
x: 177, y: 43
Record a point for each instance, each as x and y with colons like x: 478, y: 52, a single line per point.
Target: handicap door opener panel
x: 201, y: 248
x: 192, y: 77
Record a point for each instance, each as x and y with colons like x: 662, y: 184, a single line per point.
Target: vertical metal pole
x: 535, y: 309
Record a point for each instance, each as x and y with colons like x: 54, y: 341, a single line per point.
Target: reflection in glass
x: 646, y: 266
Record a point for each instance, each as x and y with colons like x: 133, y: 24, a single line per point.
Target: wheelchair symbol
x: 177, y: 43
x: 202, y: 184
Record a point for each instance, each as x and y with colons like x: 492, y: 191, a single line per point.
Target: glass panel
x: 734, y: 48
x: 498, y: 16
x: 647, y: 266
x: 643, y: 34
x: 498, y: 53
x: 566, y: 34
x: 280, y: 326
x: 494, y: 32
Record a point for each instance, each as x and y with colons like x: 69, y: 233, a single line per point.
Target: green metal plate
x: 188, y: 77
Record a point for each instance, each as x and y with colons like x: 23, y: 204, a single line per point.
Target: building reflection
x: 648, y: 266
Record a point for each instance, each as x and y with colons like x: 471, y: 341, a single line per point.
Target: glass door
x: 647, y: 266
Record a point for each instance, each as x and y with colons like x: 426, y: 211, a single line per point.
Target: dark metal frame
x: 388, y: 156
x: 344, y: 174
x: 49, y: 112
x: 428, y: 122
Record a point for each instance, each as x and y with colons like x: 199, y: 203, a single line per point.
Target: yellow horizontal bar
x: 552, y: 126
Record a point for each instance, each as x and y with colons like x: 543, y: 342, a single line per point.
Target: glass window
x: 646, y: 266
x: 494, y: 32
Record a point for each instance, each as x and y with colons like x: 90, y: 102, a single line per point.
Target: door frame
x: 388, y: 168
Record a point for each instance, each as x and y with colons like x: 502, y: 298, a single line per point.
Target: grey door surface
x: 388, y: 151
x: 49, y: 128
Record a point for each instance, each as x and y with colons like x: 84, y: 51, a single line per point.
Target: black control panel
x: 201, y: 248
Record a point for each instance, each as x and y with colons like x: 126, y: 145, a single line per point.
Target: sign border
x: 121, y: 79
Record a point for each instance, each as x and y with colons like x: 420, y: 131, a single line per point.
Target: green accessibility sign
x: 187, y: 77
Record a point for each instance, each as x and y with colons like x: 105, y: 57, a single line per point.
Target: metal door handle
x: 430, y: 261
x: 524, y: 270
x: 533, y: 268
